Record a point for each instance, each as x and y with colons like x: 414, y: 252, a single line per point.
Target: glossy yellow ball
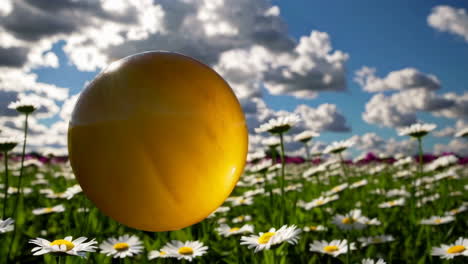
x: 157, y: 141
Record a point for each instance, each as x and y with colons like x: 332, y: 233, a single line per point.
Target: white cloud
x: 310, y: 69
x: 458, y: 109
x: 449, y: 19
x: 6, y: 6
x: 325, y: 117
x: 246, y: 41
x: 413, y: 92
x: 16, y: 80
x: 243, y: 69
x: 222, y: 33
x: 371, y: 142
x: 404, y: 79
x: 458, y: 146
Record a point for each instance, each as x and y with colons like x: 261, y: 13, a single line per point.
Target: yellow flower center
x: 456, y: 249
x: 438, y: 221
x: 185, y: 251
x: 314, y: 228
x: 121, y: 246
x: 329, y: 249
x: 347, y: 220
x: 234, y: 229
x: 320, y: 202
x: 392, y: 203
x: 263, y: 239
x: 48, y: 210
x: 60, y: 242
x: 454, y: 211
x: 162, y: 253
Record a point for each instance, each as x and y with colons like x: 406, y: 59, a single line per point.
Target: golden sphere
x: 157, y: 141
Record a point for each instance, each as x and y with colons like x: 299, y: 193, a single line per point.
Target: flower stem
x: 283, y: 201
x: 5, y: 187
x: 343, y: 167
x: 306, y: 146
x: 420, y: 156
x: 20, y: 192
x: 20, y: 189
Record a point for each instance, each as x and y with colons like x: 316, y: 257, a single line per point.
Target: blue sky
x: 386, y: 35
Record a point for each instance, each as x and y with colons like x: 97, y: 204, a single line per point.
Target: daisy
x: 337, y: 189
x: 352, y: 220
x: 373, y: 221
x: 25, y: 105
x: 398, y: 202
x: 252, y: 193
x: 371, y: 261
x: 279, y: 125
x: 14, y: 190
x: 456, y: 210
x: 72, y: 191
x: 358, y: 184
x: 397, y: 192
x: 255, y: 156
x: 314, y: 170
x: 187, y: 250
x: 220, y: 210
x: 264, y: 241
x: 242, y: 201
x: 306, y: 136
x: 365, y: 241
x: 437, y: 220
x: 314, y: 228
x: 322, y: 200
x: 417, y: 130
x: 403, y: 161
x: 68, y: 246
x: 241, y: 218
x: 338, y: 147
x: 6, y: 225
x: 121, y: 247
x: 261, y: 166
x: 40, y: 181
x: 459, y: 248
x: 334, y: 248
x: 157, y: 254
x: 7, y: 144
x: 227, y: 231
x: 442, y: 162
x: 47, y: 210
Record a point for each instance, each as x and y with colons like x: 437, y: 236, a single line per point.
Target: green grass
x: 413, y: 242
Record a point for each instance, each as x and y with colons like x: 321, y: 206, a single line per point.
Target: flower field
x: 325, y: 210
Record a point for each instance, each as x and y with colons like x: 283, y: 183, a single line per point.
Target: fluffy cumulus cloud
x: 400, y: 109
x: 325, y: 117
x: 458, y: 146
x: 404, y: 79
x: 371, y: 142
x: 449, y: 19
x: 311, y: 68
x: 407, y: 92
x: 247, y: 42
